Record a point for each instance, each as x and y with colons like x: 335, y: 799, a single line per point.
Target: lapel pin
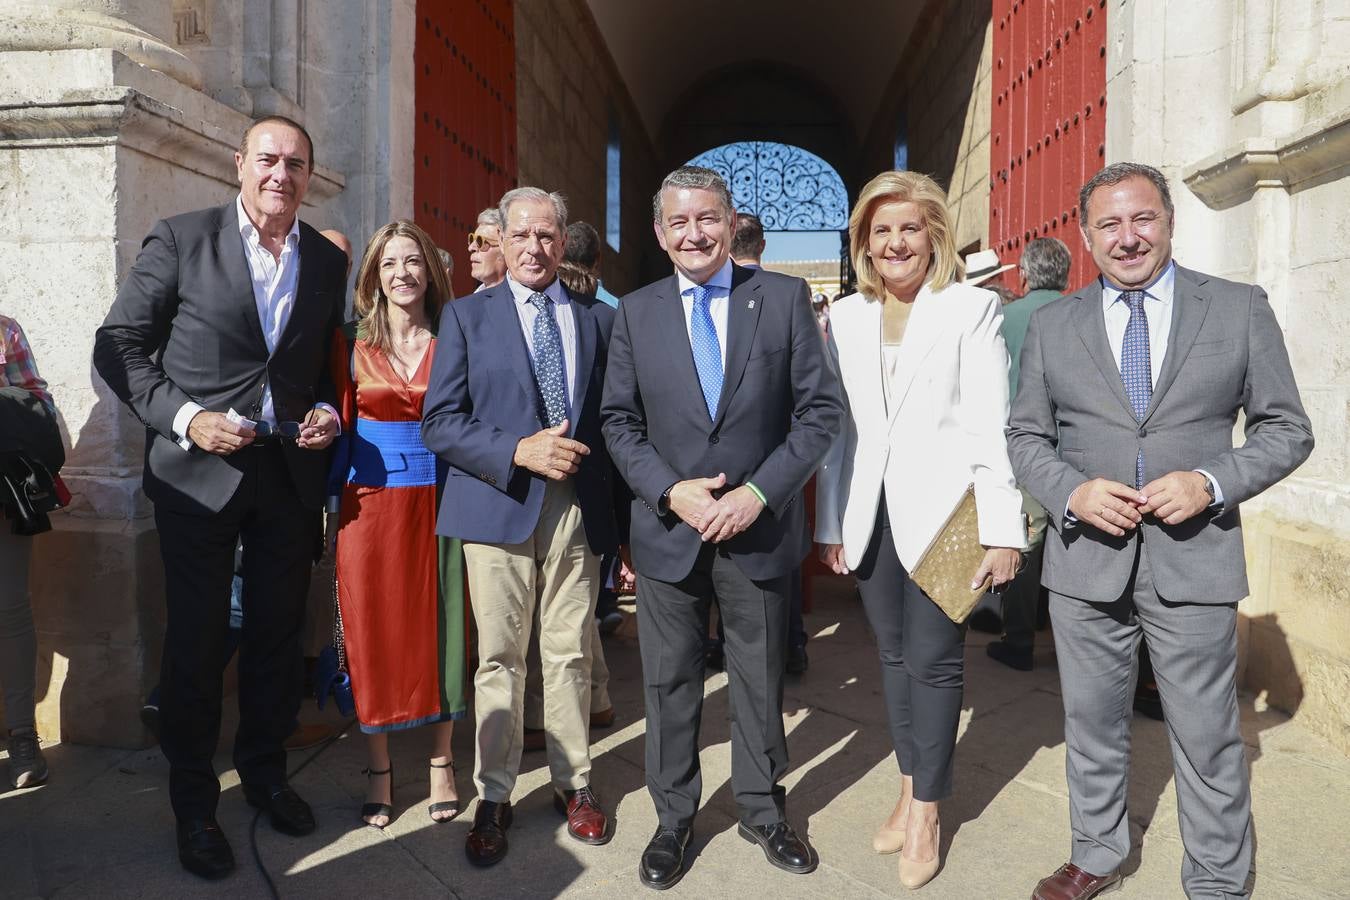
x: 750, y: 305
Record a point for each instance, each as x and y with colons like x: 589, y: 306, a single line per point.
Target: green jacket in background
x: 1016, y: 318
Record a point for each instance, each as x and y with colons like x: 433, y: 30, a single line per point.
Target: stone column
x: 135, y: 28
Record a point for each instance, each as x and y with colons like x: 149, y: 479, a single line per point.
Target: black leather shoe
x: 663, y: 861
x: 781, y: 846
x: 203, y: 850
x: 797, y: 660
x: 289, y: 813
x: 486, y: 843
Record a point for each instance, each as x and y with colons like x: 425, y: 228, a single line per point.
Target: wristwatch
x: 1209, y: 488
x: 663, y: 504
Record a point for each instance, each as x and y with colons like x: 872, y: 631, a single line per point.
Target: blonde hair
x: 904, y: 187
x: 370, y: 304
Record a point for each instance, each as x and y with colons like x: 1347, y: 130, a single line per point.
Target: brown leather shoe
x: 586, y: 821
x: 602, y: 718
x: 533, y: 740
x: 486, y: 843
x: 1071, y: 883
x: 306, y: 736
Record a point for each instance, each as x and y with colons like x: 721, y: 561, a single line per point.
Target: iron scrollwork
x: 789, y: 188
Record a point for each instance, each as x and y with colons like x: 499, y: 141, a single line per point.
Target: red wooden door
x: 1048, y: 124
x: 465, y: 138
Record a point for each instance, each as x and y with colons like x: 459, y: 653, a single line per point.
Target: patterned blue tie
x: 1136, y: 370
x: 707, y: 350
x: 549, y: 371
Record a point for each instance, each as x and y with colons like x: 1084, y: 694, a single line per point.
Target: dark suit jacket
x: 779, y: 411
x: 185, y: 327
x: 483, y: 399
x: 1072, y: 421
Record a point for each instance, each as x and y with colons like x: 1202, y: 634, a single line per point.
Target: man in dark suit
x: 719, y: 405
x: 218, y: 341
x: 1122, y: 429
x: 514, y: 407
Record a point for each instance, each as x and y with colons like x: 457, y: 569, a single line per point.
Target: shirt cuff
x: 1214, y: 486
x: 1070, y: 520
x: 332, y: 412
x: 182, y: 421
x: 757, y: 492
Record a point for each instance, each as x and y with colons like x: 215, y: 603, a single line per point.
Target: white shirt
x: 275, y: 282
x: 1157, y: 309
x: 567, y: 327
x: 719, y: 301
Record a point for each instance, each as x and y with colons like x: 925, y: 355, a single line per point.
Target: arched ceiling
x: 852, y: 48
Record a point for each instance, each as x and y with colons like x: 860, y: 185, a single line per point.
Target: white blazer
x: 945, y: 431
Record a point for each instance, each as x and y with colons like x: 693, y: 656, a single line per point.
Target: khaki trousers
x: 534, y: 679
x: 553, y: 576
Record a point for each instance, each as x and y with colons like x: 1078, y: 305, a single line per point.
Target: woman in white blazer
x: 925, y: 376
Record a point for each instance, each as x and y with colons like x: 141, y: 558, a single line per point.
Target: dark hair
x: 280, y: 120
x: 577, y: 278
x: 583, y: 246
x: 748, y: 241
x: 1115, y: 174
x: 697, y: 178
x: 1045, y: 263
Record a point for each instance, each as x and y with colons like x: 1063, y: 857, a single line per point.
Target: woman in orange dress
x: 399, y: 591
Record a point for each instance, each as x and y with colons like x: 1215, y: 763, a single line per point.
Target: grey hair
x: 1115, y: 174
x: 695, y: 178
x: 491, y: 216
x: 1045, y: 263
x: 537, y: 195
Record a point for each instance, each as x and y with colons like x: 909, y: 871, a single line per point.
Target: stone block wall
x: 942, y: 84
x: 566, y: 86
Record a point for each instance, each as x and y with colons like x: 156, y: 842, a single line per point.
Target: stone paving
x: 102, y: 827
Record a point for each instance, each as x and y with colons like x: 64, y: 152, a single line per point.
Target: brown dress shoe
x: 1071, y: 883
x: 602, y: 718
x: 586, y: 821
x: 486, y: 843
x: 533, y: 740
x: 306, y: 736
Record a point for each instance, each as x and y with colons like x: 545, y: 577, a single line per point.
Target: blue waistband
x: 390, y: 454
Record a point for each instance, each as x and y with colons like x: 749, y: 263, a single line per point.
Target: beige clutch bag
x: 946, y: 567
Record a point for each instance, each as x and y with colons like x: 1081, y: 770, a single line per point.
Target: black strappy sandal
x: 379, y: 809
x: 450, y: 806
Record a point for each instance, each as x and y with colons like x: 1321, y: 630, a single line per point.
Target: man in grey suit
x: 1122, y: 430
x: 719, y: 404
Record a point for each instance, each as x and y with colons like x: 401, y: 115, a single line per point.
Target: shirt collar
x: 250, y: 233
x: 1160, y: 288
x: 522, y: 294
x: 720, y: 279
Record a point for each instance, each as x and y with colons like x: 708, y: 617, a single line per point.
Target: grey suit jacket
x: 1071, y: 421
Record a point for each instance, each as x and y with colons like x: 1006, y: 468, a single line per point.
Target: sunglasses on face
x: 479, y: 242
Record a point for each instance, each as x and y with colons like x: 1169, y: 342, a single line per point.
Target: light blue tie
x: 1136, y: 370
x: 549, y: 372
x: 707, y: 350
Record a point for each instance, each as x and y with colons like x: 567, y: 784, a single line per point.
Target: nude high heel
x: 888, y: 840
x: 914, y: 875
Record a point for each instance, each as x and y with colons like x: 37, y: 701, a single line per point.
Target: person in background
x: 514, y: 409
x: 747, y: 243
x: 218, y: 340
x: 719, y: 405
x: 402, y: 607
x: 487, y: 264
x: 1044, y: 269
x: 582, y: 261
x: 820, y: 305
x: 1123, y: 431
x: 18, y: 640
x: 920, y: 428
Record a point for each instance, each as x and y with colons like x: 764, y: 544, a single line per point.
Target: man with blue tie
x: 513, y: 406
x: 719, y: 405
x: 1122, y: 429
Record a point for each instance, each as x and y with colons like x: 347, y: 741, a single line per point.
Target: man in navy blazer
x: 514, y: 408
x: 719, y: 405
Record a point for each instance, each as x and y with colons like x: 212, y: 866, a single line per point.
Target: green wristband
x: 757, y: 492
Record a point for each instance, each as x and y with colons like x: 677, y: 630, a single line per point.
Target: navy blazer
x: 482, y: 399
x: 779, y: 411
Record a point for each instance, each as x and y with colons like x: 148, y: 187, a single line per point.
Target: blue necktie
x: 707, y: 350
x: 1135, y: 368
x: 549, y: 371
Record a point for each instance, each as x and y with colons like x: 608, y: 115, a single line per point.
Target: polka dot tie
x: 549, y: 372
x: 1135, y: 368
x: 707, y: 350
